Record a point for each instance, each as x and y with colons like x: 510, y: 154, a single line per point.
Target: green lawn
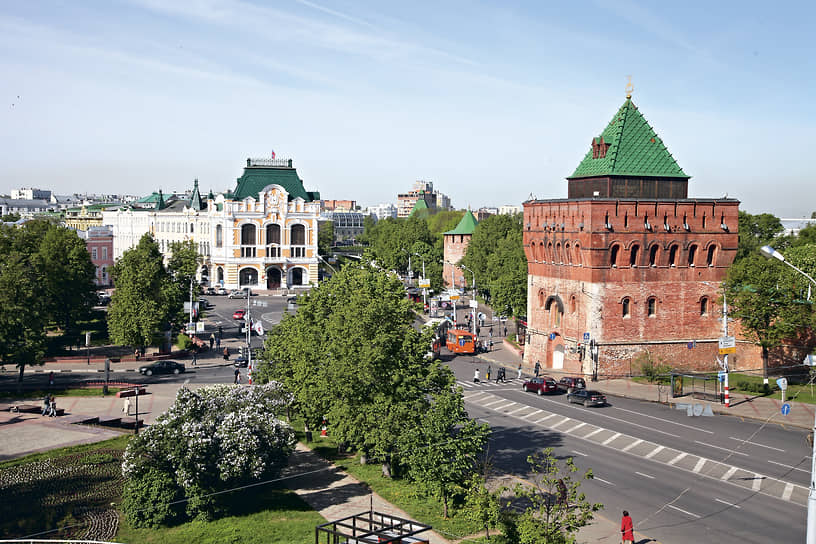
x: 40, y: 393
x: 401, y: 493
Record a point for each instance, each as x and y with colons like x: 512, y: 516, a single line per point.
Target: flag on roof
x: 273, y: 153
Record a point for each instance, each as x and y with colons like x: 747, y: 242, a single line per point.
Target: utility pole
x: 725, y: 356
x: 190, y: 325
x: 247, y: 323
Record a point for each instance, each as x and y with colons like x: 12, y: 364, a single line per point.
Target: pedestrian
x: 218, y: 343
x: 519, y: 371
x: 212, y: 340
x: 308, y: 432
x: 226, y: 354
x: 491, y: 344
x: 504, y: 375
x: 46, y: 405
x: 627, y: 529
x: 476, y: 376
x: 490, y: 332
x: 505, y: 330
x: 51, y: 379
x: 126, y: 406
x: 195, y: 355
x: 488, y: 372
x: 53, y: 411
x: 237, y: 375
x: 478, y: 330
x: 537, y: 368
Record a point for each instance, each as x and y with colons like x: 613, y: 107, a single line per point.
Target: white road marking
x: 720, y: 448
x: 644, y: 475
x: 699, y: 466
x: 655, y: 452
x: 728, y: 503
x: 678, y: 458
x: 786, y: 495
x: 517, y: 410
x: 560, y: 422
x: 575, y: 428
x: 487, y: 404
x: 579, y: 453
x: 730, y: 472
x: 610, y: 439
x: 789, y: 466
x: 474, y: 395
x: 602, y: 480
x: 598, y: 413
x: 684, y: 511
x: 508, y: 405
x: 757, y: 483
x: 545, y: 418
x: 186, y: 381
x: 756, y: 444
x: 593, y: 433
x: 666, y: 420
x: 633, y: 444
x: 532, y: 414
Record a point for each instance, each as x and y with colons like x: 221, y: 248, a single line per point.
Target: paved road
x: 683, y: 478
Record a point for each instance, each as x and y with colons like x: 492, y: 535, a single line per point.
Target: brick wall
x: 454, y: 249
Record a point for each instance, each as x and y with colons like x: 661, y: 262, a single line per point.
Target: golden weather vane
x: 629, y: 87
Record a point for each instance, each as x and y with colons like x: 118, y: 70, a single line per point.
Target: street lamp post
x: 453, y: 288
x: 424, y: 290
x: 771, y: 253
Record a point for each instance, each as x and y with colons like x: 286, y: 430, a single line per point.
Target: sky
x: 494, y: 102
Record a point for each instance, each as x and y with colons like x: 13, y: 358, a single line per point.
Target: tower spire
x: 629, y: 87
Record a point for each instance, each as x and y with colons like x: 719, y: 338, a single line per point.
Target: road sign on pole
x: 727, y: 344
x: 586, y: 337
x: 786, y: 408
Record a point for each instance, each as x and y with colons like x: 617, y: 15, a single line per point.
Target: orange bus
x: 461, y: 341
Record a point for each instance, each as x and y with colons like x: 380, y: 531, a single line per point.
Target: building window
x: 704, y: 306
x: 626, y: 220
x: 567, y: 254
x: 541, y: 298
x: 652, y: 306
x: 93, y: 253
x: 673, y: 256
x: 558, y: 257
x: 104, y: 254
x: 653, y: 255
x: 692, y: 253
x: 191, y: 228
x: 573, y: 304
x: 625, y: 307
x: 712, y: 251
x: 248, y: 241
x: 577, y: 259
x: 633, y: 256
x: 613, y: 255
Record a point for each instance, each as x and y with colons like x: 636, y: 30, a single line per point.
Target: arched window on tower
x: 692, y: 253
x: 625, y: 307
x: 651, y: 305
x: 673, y: 255
x: 711, y: 255
x: 704, y: 306
x: 613, y: 255
x: 653, y: 255
x: 634, y: 253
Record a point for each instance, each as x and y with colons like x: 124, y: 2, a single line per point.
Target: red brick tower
x: 627, y: 262
x: 456, y: 243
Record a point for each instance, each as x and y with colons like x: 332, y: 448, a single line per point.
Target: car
x: 103, y: 298
x: 237, y: 293
x: 587, y: 397
x: 162, y: 367
x: 571, y: 382
x: 220, y: 291
x: 210, y: 291
x: 204, y: 303
x: 541, y: 385
x: 239, y: 314
x: 242, y: 362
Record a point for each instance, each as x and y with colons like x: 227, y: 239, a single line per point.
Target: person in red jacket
x: 627, y: 529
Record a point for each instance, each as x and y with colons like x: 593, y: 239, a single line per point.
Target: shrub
x: 184, y: 342
x: 653, y: 368
x: 146, y: 499
x: 754, y: 387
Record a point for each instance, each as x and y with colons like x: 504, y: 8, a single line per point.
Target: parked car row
x: 162, y: 367
x: 214, y: 291
x: 574, y: 386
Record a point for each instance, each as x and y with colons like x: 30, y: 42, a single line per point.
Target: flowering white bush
x: 210, y: 439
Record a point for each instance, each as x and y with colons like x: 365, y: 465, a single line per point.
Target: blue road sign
x: 786, y: 409
x: 586, y: 337
x: 552, y: 336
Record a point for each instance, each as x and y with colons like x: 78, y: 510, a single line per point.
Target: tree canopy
x: 146, y: 298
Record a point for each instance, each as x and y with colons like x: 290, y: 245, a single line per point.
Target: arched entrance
x: 273, y: 278
x: 205, y: 275
x: 296, y: 276
x: 248, y: 277
x: 558, y: 357
x: 219, y: 276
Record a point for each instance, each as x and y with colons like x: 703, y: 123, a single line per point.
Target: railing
x: 298, y: 251
x: 273, y: 251
x: 247, y: 251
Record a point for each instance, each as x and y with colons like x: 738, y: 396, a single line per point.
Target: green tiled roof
x: 149, y: 199
x: 255, y: 178
x: 634, y: 150
x: 466, y: 225
x: 419, y: 206
x: 195, y: 199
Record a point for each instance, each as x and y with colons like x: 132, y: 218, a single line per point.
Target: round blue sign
x: 786, y: 408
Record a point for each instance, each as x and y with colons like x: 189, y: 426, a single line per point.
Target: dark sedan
x: 587, y: 397
x: 162, y: 367
x: 570, y: 382
x: 540, y: 385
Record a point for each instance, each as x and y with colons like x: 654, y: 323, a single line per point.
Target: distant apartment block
x: 338, y: 205
x: 424, y: 190
x: 382, y: 211
x: 30, y: 194
x: 485, y: 212
x: 25, y: 207
x: 509, y: 209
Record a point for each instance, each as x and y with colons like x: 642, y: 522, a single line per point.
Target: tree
x: 22, y: 313
x: 352, y: 354
x: 770, y: 299
x: 183, y: 263
x: 441, y: 450
x: 145, y: 298
x: 325, y: 237
x: 756, y: 231
x: 557, y: 508
x: 444, y: 221
x: 483, y: 505
x: 209, y: 440
x: 68, y: 276
x: 496, y: 256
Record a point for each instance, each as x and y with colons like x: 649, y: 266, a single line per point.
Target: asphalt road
x: 684, y: 479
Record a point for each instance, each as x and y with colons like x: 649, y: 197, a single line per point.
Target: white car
x: 237, y: 294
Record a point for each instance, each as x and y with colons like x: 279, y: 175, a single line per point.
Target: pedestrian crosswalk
x: 491, y: 383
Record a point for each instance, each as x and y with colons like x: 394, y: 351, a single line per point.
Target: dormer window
x: 599, y: 148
